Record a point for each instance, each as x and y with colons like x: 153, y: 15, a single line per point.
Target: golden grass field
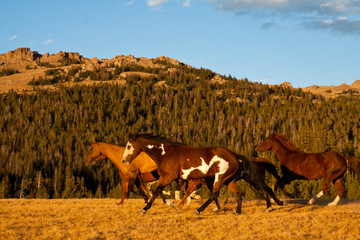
x: 103, y: 219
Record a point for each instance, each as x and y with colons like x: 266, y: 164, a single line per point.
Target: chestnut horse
x: 296, y: 164
x: 216, y: 165
x: 129, y: 174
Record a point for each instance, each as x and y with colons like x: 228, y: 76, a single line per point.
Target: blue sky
x: 271, y: 41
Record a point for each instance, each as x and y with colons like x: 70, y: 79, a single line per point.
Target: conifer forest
x: 45, y: 134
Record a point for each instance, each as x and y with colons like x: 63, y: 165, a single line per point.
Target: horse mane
x: 287, y: 143
x: 156, y: 138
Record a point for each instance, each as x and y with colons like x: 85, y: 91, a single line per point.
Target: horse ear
x: 94, y: 140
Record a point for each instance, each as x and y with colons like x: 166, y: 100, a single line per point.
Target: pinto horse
x: 296, y: 164
x: 216, y: 165
x: 129, y: 174
x: 260, y: 164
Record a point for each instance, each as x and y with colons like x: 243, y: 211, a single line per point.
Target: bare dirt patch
x: 103, y: 219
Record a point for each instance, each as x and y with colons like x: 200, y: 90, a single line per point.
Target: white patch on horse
x: 204, y: 168
x: 335, y: 202
x: 311, y: 201
x: 163, y: 149
x: 223, y: 166
x: 129, y: 150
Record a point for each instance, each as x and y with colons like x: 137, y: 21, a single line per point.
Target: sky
x: 270, y: 41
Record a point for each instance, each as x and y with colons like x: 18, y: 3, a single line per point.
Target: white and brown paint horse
x: 261, y: 165
x: 216, y: 165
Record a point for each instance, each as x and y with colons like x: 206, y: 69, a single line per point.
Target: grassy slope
x: 102, y: 218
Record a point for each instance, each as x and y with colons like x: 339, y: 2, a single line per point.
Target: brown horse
x: 129, y: 174
x: 216, y: 165
x: 296, y: 164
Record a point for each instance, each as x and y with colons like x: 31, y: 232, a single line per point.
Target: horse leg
x: 142, y: 189
x: 281, y: 183
x: 207, y: 203
x: 163, y: 182
x: 340, y: 189
x: 326, y: 187
x: 270, y: 193
x: 209, y: 183
x: 238, y: 193
x: 191, y: 188
x: 125, y: 192
x: 265, y: 192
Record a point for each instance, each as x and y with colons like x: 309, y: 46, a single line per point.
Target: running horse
x: 261, y: 165
x: 295, y: 164
x: 216, y: 165
x: 142, y: 169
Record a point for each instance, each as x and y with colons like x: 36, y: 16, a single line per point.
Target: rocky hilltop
x: 23, y: 69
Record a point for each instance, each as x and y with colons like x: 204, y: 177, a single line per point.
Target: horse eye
x: 91, y: 148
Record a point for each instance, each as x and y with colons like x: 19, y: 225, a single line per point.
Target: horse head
x: 132, y: 149
x: 94, y: 154
x: 266, y: 145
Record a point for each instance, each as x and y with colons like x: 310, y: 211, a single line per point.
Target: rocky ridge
x: 27, y: 65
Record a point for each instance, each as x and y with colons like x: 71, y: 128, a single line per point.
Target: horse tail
x: 353, y: 164
x: 253, y: 176
x: 268, y: 165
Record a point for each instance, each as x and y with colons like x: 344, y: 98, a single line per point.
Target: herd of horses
x: 148, y: 158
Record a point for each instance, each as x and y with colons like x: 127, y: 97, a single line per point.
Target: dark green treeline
x: 45, y: 135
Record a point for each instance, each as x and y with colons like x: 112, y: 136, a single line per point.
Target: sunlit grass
x: 103, y: 219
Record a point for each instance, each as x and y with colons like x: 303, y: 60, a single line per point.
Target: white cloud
x: 130, y: 2
x: 337, y: 16
x: 48, y: 41
x: 13, y: 37
x: 155, y: 3
x: 158, y: 3
x: 187, y: 3
x: 339, y: 26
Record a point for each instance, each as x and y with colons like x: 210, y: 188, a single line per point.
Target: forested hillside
x: 45, y: 135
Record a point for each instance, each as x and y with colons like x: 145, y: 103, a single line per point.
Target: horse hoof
x: 197, y: 212
x: 216, y: 209
x: 269, y: 209
x: 143, y: 211
x: 235, y: 213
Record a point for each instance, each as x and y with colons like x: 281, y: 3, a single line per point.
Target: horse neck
x: 281, y: 150
x: 114, y: 153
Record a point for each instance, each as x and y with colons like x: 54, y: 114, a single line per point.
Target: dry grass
x: 103, y: 219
